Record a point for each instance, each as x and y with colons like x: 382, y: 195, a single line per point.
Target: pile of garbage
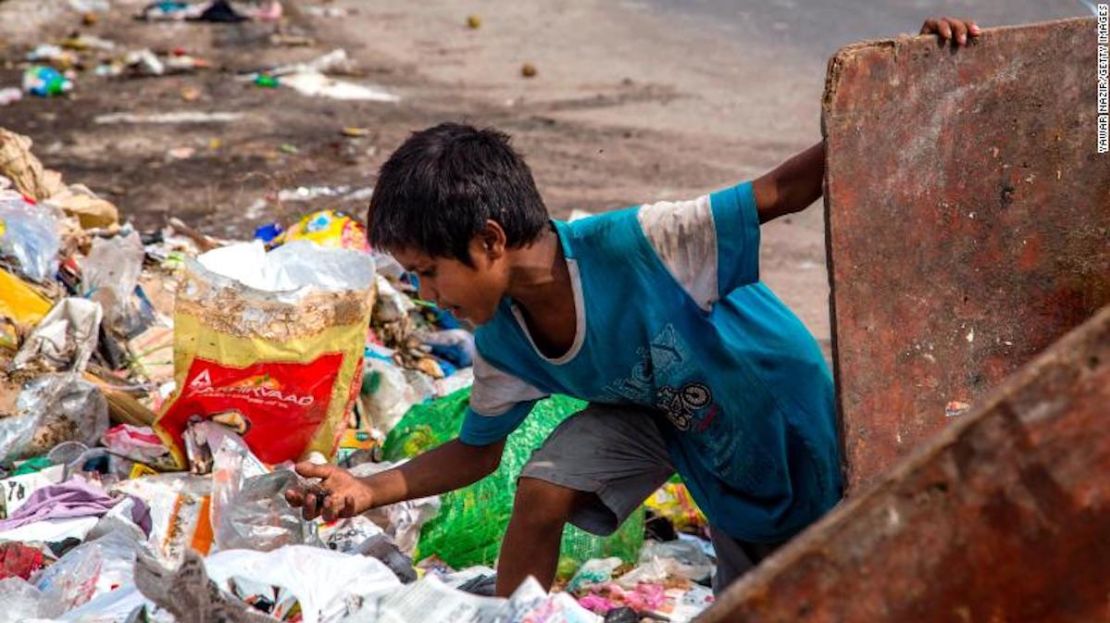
x: 156, y: 388
x: 54, y: 68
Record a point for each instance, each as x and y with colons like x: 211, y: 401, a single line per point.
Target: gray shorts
x: 618, y: 454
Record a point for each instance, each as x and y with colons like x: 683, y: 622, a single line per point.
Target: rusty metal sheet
x: 1004, y: 516
x: 968, y: 216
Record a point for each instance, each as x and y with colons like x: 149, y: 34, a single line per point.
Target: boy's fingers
x: 944, y: 29
x: 312, y: 470
x: 959, y: 30
x: 973, y: 28
x: 332, y: 506
x: 348, y: 507
x: 309, y: 510
x: 929, y: 27
x: 294, y: 497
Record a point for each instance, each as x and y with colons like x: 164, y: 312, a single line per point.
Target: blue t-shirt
x: 672, y: 316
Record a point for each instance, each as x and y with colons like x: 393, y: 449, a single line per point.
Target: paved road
x: 817, y: 28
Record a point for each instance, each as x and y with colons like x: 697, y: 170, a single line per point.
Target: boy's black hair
x: 436, y: 192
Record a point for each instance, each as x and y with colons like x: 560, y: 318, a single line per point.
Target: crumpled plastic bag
x: 22, y: 601
x: 53, y: 408
x: 64, y: 339
x: 88, y: 571
x: 386, y: 395
x: 660, y: 561
x: 109, y: 276
x: 29, y: 233
x: 327, y: 584
x: 259, y: 518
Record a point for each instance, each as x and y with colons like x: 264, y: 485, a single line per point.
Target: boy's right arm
x: 450, y: 466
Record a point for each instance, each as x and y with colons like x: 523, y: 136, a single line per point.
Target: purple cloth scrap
x: 73, y: 498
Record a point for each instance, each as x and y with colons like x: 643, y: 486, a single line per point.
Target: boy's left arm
x: 795, y: 184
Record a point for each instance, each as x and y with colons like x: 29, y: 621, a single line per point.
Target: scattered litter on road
x: 184, y: 116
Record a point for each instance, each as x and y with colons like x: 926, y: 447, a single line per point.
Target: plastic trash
x: 45, y: 81
x: 472, y: 521
x: 329, y: 228
x: 316, y: 84
x: 682, y: 558
x: 110, y: 273
x: 138, y: 443
x: 382, y: 548
x: 386, y: 395
x: 674, y: 502
x: 346, y: 535
x: 19, y: 560
x: 65, y: 339
x: 329, y: 585
x: 51, y: 409
x: 22, y: 601
x: 178, y: 505
x: 21, y: 303
x: 259, y: 518
x: 593, y: 572
x: 10, y: 95
x: 88, y: 571
x: 29, y: 234
x: 270, y: 344
x: 266, y: 81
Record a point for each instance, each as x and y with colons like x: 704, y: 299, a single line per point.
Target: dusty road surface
x: 632, y: 102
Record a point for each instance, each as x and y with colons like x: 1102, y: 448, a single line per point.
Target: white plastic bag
x: 327, y: 584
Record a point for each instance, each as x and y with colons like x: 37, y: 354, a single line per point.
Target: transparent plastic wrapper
x: 472, y: 520
x: 259, y: 518
x: 64, y: 339
x: 29, y: 233
x: 109, y: 276
x: 231, y: 465
x: 679, y: 558
x: 87, y: 571
x: 53, y: 408
x: 270, y: 344
x: 21, y: 601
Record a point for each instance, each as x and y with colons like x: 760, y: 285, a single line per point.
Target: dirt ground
x: 628, y: 105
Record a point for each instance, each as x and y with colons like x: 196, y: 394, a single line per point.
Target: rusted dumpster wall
x: 1004, y: 516
x: 968, y: 222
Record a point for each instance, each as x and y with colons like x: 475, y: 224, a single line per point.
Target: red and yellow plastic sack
x: 283, y: 369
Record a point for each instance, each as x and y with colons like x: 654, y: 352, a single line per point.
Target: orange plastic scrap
x: 20, y: 302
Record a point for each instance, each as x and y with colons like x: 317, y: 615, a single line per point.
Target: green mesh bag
x: 472, y: 520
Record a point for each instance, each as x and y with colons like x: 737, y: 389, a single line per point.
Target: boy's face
x: 470, y: 292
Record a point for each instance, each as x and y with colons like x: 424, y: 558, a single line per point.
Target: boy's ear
x: 493, y: 240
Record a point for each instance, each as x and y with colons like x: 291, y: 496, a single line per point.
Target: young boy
x: 654, y: 314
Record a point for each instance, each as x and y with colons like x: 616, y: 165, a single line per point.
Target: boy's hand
x: 951, y: 29
x: 337, y: 495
